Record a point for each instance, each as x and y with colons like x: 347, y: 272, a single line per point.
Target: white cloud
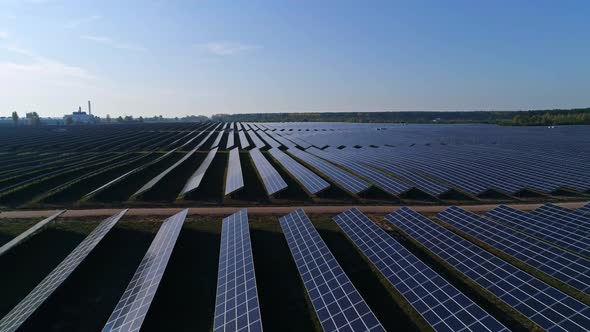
x: 3, y: 35
x: 107, y: 41
x: 38, y: 68
x: 82, y: 20
x: 227, y: 48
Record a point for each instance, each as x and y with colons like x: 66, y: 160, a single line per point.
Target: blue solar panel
x: 545, y: 305
x: 272, y: 180
x: 336, y: 301
x: 570, y: 220
x: 133, y: 306
x: 244, y: 143
x: 535, y: 225
x: 19, y: 314
x: 441, y: 304
x: 585, y: 209
x: 236, y: 304
x: 342, y: 178
x: 310, y: 181
x: 387, y: 183
x: 567, y: 267
x: 234, y: 179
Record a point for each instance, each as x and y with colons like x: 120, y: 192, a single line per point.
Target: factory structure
x: 80, y: 117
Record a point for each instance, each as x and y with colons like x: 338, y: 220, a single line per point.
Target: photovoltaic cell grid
x: 230, y: 140
x: 133, y: 306
x: 546, y: 306
x: 236, y: 305
x: 19, y: 314
x: 273, y: 182
x: 311, y: 181
x: 336, y: 301
x: 569, y: 268
x: 233, y: 179
x: 381, y: 180
x: 18, y: 239
x: 258, y: 143
x: 160, y: 176
x: 195, y: 180
x: 534, y: 225
x: 585, y: 209
x: 344, y: 179
x: 217, y: 140
x: 573, y: 221
x: 437, y: 301
x: 243, y: 140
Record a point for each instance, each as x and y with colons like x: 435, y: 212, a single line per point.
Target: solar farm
x: 246, y: 164
x: 295, y: 227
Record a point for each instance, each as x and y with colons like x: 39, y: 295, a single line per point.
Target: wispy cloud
x: 108, y: 41
x: 3, y: 35
x: 82, y: 20
x: 39, y: 67
x: 224, y: 48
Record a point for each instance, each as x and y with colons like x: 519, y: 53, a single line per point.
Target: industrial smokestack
x: 89, y: 109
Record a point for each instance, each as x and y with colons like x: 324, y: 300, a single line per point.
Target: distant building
x: 80, y: 117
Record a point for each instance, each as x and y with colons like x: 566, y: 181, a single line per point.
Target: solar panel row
x: 236, y: 304
x: 568, y: 268
x: 195, y: 180
x: 336, y: 301
x: 160, y: 176
x: 544, y: 305
x: 585, y: 209
x: 258, y: 143
x: 230, y: 140
x: 379, y: 179
x: 133, y: 306
x: 24, y: 235
x: 342, y: 178
x: 244, y: 143
x: 272, y: 180
x: 233, y: 178
x: 19, y: 314
x: 310, y: 181
x: 438, y: 302
x: 536, y: 226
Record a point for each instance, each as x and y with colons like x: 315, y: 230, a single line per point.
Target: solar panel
x: 342, y: 178
x: 573, y: 221
x: 236, y: 304
x: 443, y: 306
x: 310, y: 181
x: 272, y: 180
x: 160, y: 176
x: 233, y: 178
x: 230, y: 140
x: 195, y: 180
x: 534, y: 225
x: 269, y: 140
x: 336, y: 301
x: 244, y: 143
x: 24, y: 235
x: 387, y: 183
x: 206, y: 138
x: 257, y: 141
x: 584, y: 209
x: 217, y: 140
x: 19, y: 314
x: 120, y: 178
x: 568, y: 268
x: 544, y: 305
x: 135, y: 302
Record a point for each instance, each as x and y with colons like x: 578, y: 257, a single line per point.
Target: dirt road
x: 268, y: 210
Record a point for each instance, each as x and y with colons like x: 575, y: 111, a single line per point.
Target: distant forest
x: 513, y: 118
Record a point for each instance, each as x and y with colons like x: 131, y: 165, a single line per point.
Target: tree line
x: 514, y: 118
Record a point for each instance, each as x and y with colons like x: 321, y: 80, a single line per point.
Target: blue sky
x: 204, y: 57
